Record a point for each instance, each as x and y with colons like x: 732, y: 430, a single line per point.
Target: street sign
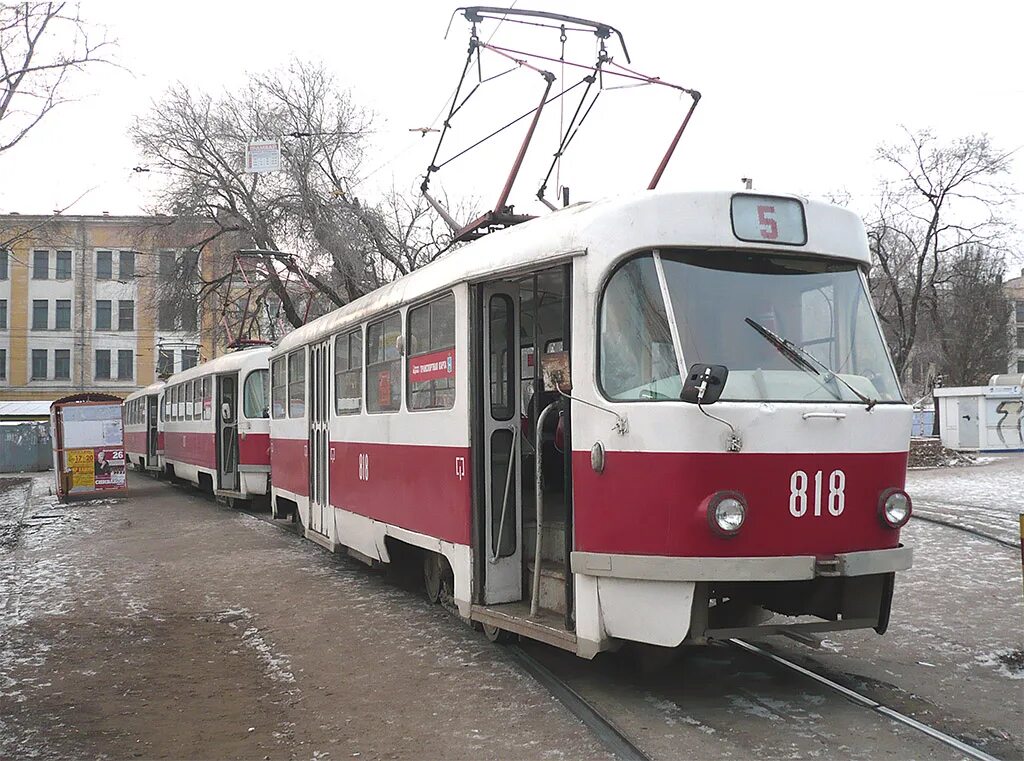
x: 263, y: 156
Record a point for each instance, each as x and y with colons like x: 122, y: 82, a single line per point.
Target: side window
x: 255, y: 394
x: 384, y: 365
x: 432, y: 355
x: 181, y: 402
x: 348, y: 372
x: 188, y: 400
x: 297, y: 383
x: 279, y: 388
x: 207, y: 397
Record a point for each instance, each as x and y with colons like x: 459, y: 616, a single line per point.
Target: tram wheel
x: 432, y: 576
x: 496, y: 635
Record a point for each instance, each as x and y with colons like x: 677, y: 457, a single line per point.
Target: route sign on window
x: 768, y: 219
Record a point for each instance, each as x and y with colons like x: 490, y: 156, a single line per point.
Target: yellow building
x: 95, y: 303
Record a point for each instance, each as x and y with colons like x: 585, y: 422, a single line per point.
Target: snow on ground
x: 985, y: 497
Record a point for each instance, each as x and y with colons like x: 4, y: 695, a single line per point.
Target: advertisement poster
x: 80, y: 463
x: 108, y: 467
x: 433, y: 366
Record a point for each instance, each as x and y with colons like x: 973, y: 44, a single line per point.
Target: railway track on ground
x: 940, y: 520
x: 617, y: 741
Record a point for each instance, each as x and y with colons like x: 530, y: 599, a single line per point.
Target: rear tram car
x: 143, y: 436
x: 216, y: 425
x: 663, y: 418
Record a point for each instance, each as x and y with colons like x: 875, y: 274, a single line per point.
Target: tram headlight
x: 894, y: 507
x: 727, y: 510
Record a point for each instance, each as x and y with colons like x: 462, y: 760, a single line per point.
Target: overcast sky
x: 797, y: 95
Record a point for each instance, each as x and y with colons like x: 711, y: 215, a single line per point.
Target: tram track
x: 616, y: 740
x: 939, y: 521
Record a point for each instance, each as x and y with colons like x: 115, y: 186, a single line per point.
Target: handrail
x: 512, y: 455
x: 538, y: 481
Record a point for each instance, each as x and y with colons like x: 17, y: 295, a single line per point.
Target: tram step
x: 552, y: 585
x: 515, y: 617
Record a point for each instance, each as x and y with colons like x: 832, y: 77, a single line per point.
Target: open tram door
x: 227, y: 432
x: 152, y: 429
x: 521, y: 430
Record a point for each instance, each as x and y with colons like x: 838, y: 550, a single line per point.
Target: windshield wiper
x: 799, y: 357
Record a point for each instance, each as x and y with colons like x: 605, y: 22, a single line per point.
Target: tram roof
x: 152, y: 388
x: 225, y: 363
x: 603, y: 229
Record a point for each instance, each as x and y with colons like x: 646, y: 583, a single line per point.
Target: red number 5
x: 766, y: 220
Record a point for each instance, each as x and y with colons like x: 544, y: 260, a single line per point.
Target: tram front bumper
x: 780, y: 568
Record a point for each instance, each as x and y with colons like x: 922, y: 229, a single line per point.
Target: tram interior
x: 542, y: 324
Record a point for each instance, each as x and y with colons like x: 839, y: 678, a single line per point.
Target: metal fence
x: 25, y: 447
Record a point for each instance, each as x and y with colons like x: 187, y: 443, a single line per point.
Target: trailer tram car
x: 216, y: 425
x: 664, y: 419
x: 143, y: 436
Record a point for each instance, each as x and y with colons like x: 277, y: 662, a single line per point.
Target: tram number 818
x: 798, y: 484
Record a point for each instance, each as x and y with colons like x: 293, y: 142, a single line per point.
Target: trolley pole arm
x: 675, y: 141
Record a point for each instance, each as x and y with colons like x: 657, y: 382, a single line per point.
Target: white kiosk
x: 983, y: 418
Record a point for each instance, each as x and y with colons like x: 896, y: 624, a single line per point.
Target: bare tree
x: 973, y: 317
x: 942, y: 199
x: 325, y: 246
x: 42, y: 45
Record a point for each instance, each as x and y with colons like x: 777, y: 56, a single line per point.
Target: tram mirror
x: 704, y: 383
x: 554, y: 370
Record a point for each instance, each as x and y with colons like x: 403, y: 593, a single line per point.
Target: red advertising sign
x: 436, y: 365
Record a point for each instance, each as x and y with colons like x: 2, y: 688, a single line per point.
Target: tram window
x: 181, y: 402
x: 255, y: 394
x: 279, y: 388
x: 297, y: 383
x: 637, y: 359
x: 500, y: 317
x: 207, y: 398
x: 432, y: 355
x: 384, y: 365
x: 188, y: 400
x: 348, y: 372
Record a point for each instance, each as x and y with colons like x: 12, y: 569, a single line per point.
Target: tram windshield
x: 820, y: 305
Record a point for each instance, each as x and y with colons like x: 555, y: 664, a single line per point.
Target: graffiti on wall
x: 1009, y: 425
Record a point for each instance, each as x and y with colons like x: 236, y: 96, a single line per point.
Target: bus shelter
x: 88, y: 445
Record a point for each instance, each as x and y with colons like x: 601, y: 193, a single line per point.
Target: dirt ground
x: 165, y: 626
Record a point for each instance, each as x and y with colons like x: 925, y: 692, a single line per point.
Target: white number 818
x: 798, y: 493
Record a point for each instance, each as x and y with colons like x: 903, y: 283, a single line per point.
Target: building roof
x: 24, y: 410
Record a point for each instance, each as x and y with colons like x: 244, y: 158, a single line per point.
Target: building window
x: 40, y: 314
x: 348, y: 372
x: 279, y: 388
x: 3, y: 364
x: 63, y: 315
x: 63, y: 270
x: 165, y: 315
x: 1020, y: 338
x: 190, y: 316
x: 3, y: 314
x: 1019, y: 308
x: 1020, y: 365
x: 384, y: 365
x: 165, y: 362
x: 40, y: 265
x: 431, y: 366
x: 297, y: 383
x: 190, y: 266
x: 126, y: 265
x: 126, y: 315
x: 125, y: 364
x: 39, y: 364
x: 3, y: 264
x: 103, y: 314
x: 104, y: 265
x: 103, y: 364
x: 189, y: 358
x: 167, y: 264
x: 62, y: 364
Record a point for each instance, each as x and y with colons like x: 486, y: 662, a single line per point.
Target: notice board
x: 89, y: 447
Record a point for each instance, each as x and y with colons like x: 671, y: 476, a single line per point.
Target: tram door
x: 151, y: 427
x: 503, y: 512
x: 227, y: 432
x: 319, y: 435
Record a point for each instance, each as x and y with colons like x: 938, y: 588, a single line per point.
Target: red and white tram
x: 216, y: 424
x: 663, y: 418
x: 143, y: 436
